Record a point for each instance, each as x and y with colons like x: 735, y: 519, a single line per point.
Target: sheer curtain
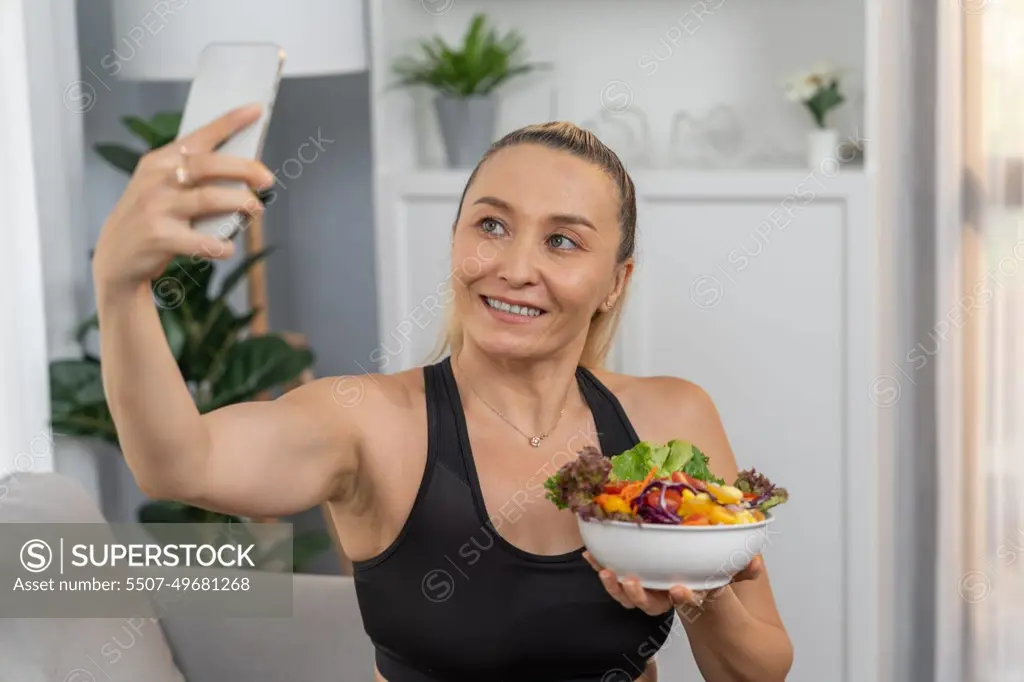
x: 980, y: 586
x: 995, y: 38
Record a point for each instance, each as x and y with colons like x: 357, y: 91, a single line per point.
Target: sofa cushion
x: 74, y: 649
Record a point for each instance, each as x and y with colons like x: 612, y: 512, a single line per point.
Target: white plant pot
x: 822, y: 147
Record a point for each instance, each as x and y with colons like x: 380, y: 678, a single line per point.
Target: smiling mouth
x: 505, y: 307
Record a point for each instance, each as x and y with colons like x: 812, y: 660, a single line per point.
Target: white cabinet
x: 761, y: 287
x: 762, y: 296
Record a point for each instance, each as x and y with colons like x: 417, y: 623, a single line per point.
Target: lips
x: 512, y: 307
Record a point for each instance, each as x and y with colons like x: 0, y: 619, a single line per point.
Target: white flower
x: 804, y: 86
x: 825, y: 71
x: 800, y: 90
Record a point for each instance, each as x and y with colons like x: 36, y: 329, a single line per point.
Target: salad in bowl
x: 658, y: 513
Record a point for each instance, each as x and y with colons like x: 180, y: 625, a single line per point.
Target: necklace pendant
x: 535, y: 441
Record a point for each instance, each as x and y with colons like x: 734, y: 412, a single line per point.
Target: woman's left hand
x: 631, y: 594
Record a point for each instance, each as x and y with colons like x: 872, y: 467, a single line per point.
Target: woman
x: 434, y: 475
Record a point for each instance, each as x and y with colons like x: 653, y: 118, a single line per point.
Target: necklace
x: 534, y: 440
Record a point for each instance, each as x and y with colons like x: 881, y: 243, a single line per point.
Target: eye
x: 560, y: 241
x: 492, y: 227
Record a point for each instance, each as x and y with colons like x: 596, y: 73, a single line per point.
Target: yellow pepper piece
x: 745, y: 516
x: 612, y: 503
x: 722, y: 515
x: 695, y: 504
x: 725, y: 494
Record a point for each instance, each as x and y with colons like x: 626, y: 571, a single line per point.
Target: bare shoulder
x: 650, y: 401
x: 665, y: 407
x: 360, y: 400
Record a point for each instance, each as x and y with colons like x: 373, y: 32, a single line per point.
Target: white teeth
x: 514, y: 309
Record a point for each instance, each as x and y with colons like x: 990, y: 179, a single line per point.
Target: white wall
x: 25, y: 442
x: 659, y: 57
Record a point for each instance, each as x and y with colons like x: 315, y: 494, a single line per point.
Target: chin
x: 508, y: 349
x: 507, y: 342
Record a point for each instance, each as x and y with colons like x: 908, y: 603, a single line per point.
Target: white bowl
x: 697, y: 557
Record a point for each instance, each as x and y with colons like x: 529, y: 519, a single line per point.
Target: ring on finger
x: 181, y: 174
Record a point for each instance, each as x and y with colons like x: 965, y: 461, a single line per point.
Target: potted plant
x: 221, y: 363
x: 466, y: 78
x: 818, y: 90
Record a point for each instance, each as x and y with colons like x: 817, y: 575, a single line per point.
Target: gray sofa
x: 323, y: 641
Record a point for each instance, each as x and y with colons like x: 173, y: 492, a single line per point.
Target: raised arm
x: 265, y: 458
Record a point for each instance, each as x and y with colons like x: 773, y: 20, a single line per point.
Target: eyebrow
x: 560, y: 218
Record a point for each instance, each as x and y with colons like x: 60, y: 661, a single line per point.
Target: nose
x: 517, y: 263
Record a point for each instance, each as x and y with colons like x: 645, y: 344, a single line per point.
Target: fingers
x: 215, y: 200
x: 650, y: 602
x: 684, y: 598
x: 203, y: 168
x: 592, y: 561
x: 187, y: 242
x: 614, y: 589
x: 629, y: 592
x: 211, y: 135
x: 752, y: 571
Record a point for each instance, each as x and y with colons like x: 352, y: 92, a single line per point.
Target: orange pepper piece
x: 612, y: 503
x: 633, y: 489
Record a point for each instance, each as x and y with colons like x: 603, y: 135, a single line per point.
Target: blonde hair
x: 581, y: 143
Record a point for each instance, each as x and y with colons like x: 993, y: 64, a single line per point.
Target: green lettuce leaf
x: 633, y: 464
x: 778, y: 497
x: 676, y: 455
x: 680, y: 453
x: 698, y: 468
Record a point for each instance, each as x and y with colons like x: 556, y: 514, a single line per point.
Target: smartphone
x: 231, y: 75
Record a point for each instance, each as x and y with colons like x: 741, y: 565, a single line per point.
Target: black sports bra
x: 451, y: 600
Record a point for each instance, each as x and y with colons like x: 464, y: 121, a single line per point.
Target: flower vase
x: 822, y: 144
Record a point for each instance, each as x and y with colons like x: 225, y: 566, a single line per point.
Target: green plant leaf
x: 220, y: 340
x: 482, y: 62
x: 184, y: 289
x: 82, y: 330
x: 74, y: 383
x: 189, y: 277
x: 169, y: 511
x: 172, y: 511
x: 78, y: 406
x: 86, y: 421
x: 235, y: 276
x: 142, y: 129
x: 172, y: 522
x: 256, y: 365
x: 823, y: 101
x: 166, y: 124
x: 119, y: 156
x: 307, y: 545
x: 212, y: 341
x: 220, y: 327
x: 215, y: 332
x: 174, y: 330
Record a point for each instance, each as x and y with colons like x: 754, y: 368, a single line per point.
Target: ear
x: 623, y: 273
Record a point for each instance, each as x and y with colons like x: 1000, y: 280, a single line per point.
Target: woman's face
x: 534, y: 253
